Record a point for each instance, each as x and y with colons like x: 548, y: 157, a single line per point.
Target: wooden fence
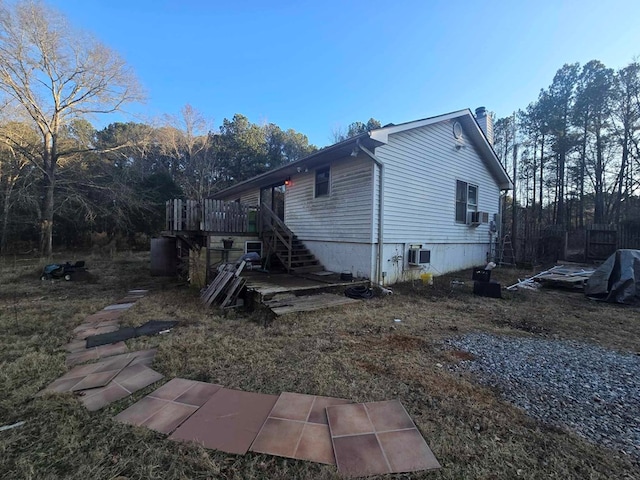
x: 629, y: 235
x: 601, y: 241
x: 214, y: 216
x: 535, y: 243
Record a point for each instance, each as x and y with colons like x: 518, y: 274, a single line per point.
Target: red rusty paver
x: 229, y: 421
x: 167, y: 407
x: 297, y: 428
x: 377, y: 438
x: 132, y: 378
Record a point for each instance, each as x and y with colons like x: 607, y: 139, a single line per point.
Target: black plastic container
x: 481, y: 275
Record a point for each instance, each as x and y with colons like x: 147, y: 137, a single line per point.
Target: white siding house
x: 435, y: 183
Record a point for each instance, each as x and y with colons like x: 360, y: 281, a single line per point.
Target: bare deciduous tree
x: 57, y: 74
x: 15, y: 169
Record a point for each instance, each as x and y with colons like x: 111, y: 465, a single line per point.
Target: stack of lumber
x: 225, y: 288
x: 567, y: 276
x: 571, y: 276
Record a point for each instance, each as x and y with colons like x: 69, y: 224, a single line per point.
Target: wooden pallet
x: 225, y: 288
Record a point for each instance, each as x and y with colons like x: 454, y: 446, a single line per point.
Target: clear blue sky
x: 313, y: 66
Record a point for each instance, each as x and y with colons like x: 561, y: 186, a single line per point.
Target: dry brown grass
x: 357, y: 353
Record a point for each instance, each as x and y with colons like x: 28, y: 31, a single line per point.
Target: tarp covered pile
x: 617, y: 280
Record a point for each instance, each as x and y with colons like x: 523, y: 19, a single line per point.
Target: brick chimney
x: 486, y: 123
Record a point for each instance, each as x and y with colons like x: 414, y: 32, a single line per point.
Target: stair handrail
x: 272, y: 219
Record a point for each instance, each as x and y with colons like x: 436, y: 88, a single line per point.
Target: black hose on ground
x: 359, y: 291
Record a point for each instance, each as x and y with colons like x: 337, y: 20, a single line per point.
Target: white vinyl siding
x: 251, y: 197
x: 344, y: 215
x: 421, y: 169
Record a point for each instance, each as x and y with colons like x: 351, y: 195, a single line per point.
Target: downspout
x: 499, y: 252
x: 380, y: 165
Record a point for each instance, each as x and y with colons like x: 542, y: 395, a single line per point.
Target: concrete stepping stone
x: 169, y: 406
x: 119, y: 306
x: 229, y: 421
x: 89, y: 376
x: 131, y: 379
x: 144, y: 357
x: 377, y: 438
x: 95, y: 353
x: 103, y: 315
x: 297, y: 427
x: 76, y: 346
x: 92, y: 331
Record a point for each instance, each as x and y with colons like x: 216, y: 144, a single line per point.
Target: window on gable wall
x: 322, y: 181
x: 466, y: 200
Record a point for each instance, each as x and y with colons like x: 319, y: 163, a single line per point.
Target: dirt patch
x: 461, y: 355
x: 376, y: 369
x: 405, y: 342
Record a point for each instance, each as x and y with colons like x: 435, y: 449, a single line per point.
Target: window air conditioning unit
x: 419, y: 256
x: 476, y: 218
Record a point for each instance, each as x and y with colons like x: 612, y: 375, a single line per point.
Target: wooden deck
x: 289, y: 303
x: 268, y: 284
x: 284, y: 293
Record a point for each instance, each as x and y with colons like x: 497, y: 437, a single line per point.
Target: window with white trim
x: 466, y: 200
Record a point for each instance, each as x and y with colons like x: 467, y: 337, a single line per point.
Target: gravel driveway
x: 588, y: 389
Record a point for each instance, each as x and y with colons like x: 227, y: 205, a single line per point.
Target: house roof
x: 321, y: 157
x: 370, y: 140
x: 471, y: 128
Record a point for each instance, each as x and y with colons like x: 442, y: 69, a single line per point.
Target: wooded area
x: 119, y: 179
x: 63, y: 181
x: 574, y: 159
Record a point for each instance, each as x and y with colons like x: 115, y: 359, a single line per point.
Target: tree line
x: 118, y: 178
x: 61, y: 179
x: 573, y: 154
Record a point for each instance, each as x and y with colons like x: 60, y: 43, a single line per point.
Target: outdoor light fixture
x: 287, y: 181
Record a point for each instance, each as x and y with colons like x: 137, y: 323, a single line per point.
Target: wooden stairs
x: 281, y: 242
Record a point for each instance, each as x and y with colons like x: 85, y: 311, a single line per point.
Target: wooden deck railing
x: 211, y: 216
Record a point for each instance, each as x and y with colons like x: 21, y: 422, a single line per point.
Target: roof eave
x: 277, y: 176
x: 488, y: 153
x: 480, y: 140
